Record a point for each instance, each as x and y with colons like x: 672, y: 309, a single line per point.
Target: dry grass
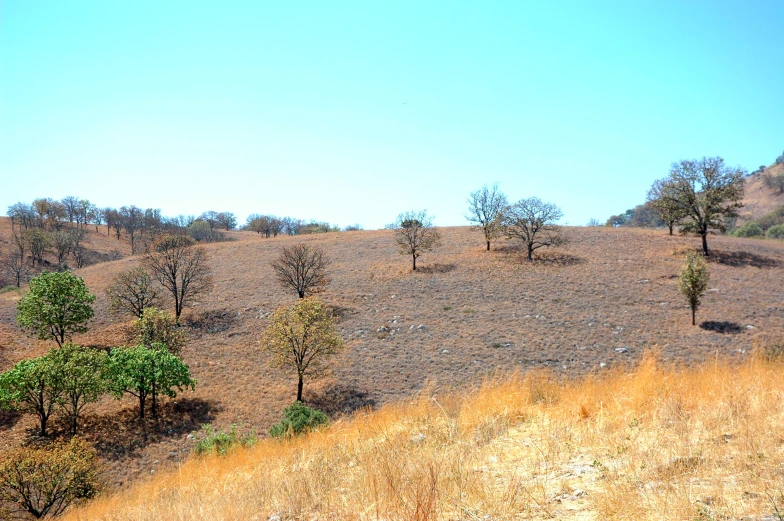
x: 651, y: 443
x: 759, y: 199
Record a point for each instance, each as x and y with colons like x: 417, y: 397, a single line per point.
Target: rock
x: 382, y: 329
x: 602, y: 364
x: 421, y: 327
x: 360, y: 332
x: 621, y: 349
x: 418, y: 438
x: 189, y: 437
x: 445, y: 351
x: 274, y: 517
x: 749, y: 326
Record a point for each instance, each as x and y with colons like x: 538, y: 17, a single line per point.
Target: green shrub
x: 750, y: 229
x: 209, y: 441
x: 298, y: 418
x: 775, y: 232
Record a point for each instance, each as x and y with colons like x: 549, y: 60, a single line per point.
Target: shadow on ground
x: 742, y: 258
x: 722, y: 327
x: 437, y: 268
x: 8, y: 419
x: 339, y: 399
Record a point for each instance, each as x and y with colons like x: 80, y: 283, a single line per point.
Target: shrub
x: 159, y: 327
x: 750, y: 229
x: 775, y: 232
x: 208, y: 441
x: 298, y: 418
x: 44, y: 481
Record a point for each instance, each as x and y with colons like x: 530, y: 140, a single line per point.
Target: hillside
x: 594, y: 306
x: 759, y: 200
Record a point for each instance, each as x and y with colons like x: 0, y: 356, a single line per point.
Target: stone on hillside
x: 382, y: 329
x: 621, y: 349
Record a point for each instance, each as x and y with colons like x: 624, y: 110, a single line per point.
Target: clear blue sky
x: 355, y: 112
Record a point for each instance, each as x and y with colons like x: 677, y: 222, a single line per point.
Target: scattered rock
x: 749, y: 326
x: 445, y: 351
x: 274, y: 517
x: 602, y: 364
x: 621, y: 349
x: 360, y: 332
x: 421, y: 327
x: 382, y: 329
x: 189, y: 437
x: 418, y: 438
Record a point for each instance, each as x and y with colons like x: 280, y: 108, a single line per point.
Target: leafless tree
x: 133, y: 291
x: 63, y: 243
x: 14, y: 263
x: 708, y: 192
x: 303, y: 268
x: 132, y: 221
x: 415, y: 234
x: 181, y: 268
x: 534, y: 222
x: 211, y: 218
x: 38, y: 242
x: 485, y: 210
x: 660, y: 198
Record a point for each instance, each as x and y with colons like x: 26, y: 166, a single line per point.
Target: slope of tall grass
x: 651, y: 442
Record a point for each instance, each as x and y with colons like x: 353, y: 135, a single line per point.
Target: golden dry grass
x: 649, y: 443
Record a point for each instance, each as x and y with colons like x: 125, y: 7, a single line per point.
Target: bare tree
x: 534, y: 222
x: 211, y: 218
x: 708, y: 192
x: 132, y: 221
x: 71, y: 205
x: 303, y: 268
x: 63, y: 243
x: 485, y: 210
x: 415, y: 234
x: 661, y: 198
x: 14, y: 264
x: 133, y: 291
x: 181, y: 268
x: 38, y: 242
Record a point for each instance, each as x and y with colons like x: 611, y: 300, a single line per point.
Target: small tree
x: 301, y: 338
x: 662, y: 200
x: 57, y: 305
x: 297, y: 419
x: 693, y: 281
x: 45, y: 481
x: 147, y: 372
x: 485, y: 209
x: 63, y: 244
x: 38, y: 242
x: 302, y: 268
x: 708, y: 192
x: 415, y: 234
x: 83, y: 377
x: 181, y: 268
x: 157, y: 327
x: 534, y: 222
x: 133, y: 291
x: 34, y: 386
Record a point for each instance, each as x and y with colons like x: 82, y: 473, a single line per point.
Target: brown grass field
x: 592, y: 308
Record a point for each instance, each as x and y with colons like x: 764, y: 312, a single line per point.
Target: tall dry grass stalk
x: 650, y: 443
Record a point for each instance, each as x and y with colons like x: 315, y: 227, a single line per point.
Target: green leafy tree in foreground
x: 82, y: 371
x: 34, y: 386
x: 298, y: 418
x: 693, y: 281
x: 45, y: 481
x: 147, y: 372
x: 57, y: 305
x: 301, y: 337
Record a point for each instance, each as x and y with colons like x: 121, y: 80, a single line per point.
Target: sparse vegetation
x: 298, y: 419
x: 303, y: 268
x: 535, y: 223
x: 415, y: 234
x: 220, y: 442
x: 486, y: 210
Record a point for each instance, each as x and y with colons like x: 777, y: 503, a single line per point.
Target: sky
x: 353, y: 112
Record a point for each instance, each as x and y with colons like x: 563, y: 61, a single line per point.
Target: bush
x: 44, y: 481
x: 298, y: 418
x: 775, y: 232
x: 750, y: 229
x: 159, y: 327
x: 208, y: 441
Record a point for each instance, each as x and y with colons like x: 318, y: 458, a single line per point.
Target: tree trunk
x: 693, y: 316
x: 43, y: 418
x: 299, y: 389
x: 669, y: 225
x: 705, y: 244
x: 530, y: 253
x: 414, y: 257
x: 301, y: 293
x: 141, y: 406
x: 488, y: 245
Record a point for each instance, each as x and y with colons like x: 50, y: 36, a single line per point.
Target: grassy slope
x: 610, y: 289
x: 759, y: 200
x: 652, y: 443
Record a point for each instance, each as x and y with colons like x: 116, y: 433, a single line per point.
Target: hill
x: 759, y: 199
x: 592, y: 307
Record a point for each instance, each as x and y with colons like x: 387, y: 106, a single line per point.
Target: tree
x: 71, y: 205
x: 300, y: 338
x: 156, y: 327
x: 38, y: 241
x: 775, y: 182
x: 227, y: 220
x: 485, y: 209
x: 14, y: 262
x: 662, y: 200
x: 693, y: 281
x: 63, y: 243
x: 132, y: 220
x: 708, y: 192
x: 83, y: 378
x: 415, y: 234
x: 181, y: 268
x: 303, y: 268
x: 147, y: 372
x: 44, y: 481
x: 211, y: 218
x: 133, y: 291
x: 533, y: 221
x: 56, y: 306
x: 34, y: 386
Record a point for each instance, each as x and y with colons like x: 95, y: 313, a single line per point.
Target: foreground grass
x: 649, y: 443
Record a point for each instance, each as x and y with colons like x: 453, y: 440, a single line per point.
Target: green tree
x: 82, y: 373
x: 57, y: 305
x: 159, y: 327
x: 661, y: 199
x: 300, y: 338
x: 35, y: 386
x: 45, y: 481
x: 693, y: 281
x: 147, y: 372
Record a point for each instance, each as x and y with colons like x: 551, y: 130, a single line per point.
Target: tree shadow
x: 8, y: 419
x: 557, y: 258
x: 742, y: 258
x: 211, y: 321
x: 120, y: 435
x: 730, y: 328
x: 437, y: 268
x: 339, y: 399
